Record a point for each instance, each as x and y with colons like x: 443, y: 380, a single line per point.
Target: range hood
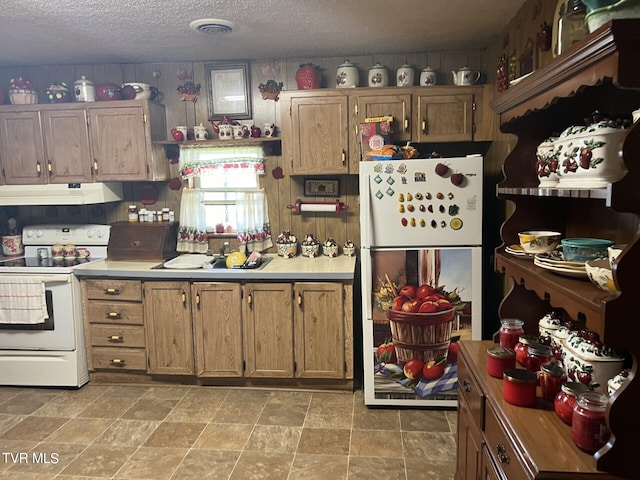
x: 60, y: 194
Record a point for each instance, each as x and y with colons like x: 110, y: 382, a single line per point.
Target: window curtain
x: 192, y: 233
x: 252, y: 215
x: 197, y: 161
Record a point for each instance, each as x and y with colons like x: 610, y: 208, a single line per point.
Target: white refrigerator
x: 421, y: 236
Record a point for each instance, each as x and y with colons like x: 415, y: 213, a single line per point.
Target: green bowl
x: 585, y: 249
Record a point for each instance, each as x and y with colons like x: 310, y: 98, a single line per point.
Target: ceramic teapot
x: 216, y: 126
x: 465, y: 76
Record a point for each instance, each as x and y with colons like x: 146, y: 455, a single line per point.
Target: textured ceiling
x: 46, y: 32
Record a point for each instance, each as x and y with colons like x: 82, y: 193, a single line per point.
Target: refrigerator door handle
x: 367, y: 284
x: 365, y: 208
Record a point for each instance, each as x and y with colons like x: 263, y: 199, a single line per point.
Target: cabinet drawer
x: 115, y: 312
x: 114, y: 290
x: 502, y: 450
x: 471, y: 391
x: 119, y: 358
x: 117, y: 336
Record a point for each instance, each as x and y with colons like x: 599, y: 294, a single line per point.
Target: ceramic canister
x: 84, y: 89
x: 347, y: 75
x: 404, y: 76
x: 427, y: 77
x: 378, y: 76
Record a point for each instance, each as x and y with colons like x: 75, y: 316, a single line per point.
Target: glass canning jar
x: 589, y: 429
x: 551, y: 380
x: 522, y: 348
x: 537, y: 355
x: 510, y: 331
x: 566, y: 399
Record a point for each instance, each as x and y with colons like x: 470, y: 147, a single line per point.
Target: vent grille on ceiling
x: 213, y: 26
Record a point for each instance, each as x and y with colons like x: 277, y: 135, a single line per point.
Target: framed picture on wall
x: 228, y: 90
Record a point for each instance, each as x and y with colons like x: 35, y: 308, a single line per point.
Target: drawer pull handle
x: 115, y: 338
x: 502, y: 453
x: 112, y: 291
x: 115, y: 315
x: 118, y: 362
x: 466, y: 386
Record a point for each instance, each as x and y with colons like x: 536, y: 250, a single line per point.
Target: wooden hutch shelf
x: 598, y: 73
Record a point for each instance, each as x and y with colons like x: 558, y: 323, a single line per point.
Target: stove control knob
x: 99, y: 233
x: 28, y: 233
x: 89, y: 233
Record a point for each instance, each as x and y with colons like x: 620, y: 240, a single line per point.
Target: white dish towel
x: 22, y: 300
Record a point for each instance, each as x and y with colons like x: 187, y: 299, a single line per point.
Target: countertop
x: 278, y: 268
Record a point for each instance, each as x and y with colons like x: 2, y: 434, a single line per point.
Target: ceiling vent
x: 213, y: 26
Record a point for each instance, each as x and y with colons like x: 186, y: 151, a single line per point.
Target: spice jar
x: 537, y: 355
x: 519, y: 387
x: 510, y: 331
x: 500, y: 359
x: 522, y: 348
x: 566, y: 399
x: 589, y: 429
x: 551, y: 380
x: 133, y: 213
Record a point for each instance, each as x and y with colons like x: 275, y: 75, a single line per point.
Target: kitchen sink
x: 192, y: 261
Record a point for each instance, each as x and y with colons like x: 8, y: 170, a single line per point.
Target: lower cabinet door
x: 217, y: 316
x: 268, y: 329
x: 167, y: 310
x: 469, y: 455
x: 489, y: 470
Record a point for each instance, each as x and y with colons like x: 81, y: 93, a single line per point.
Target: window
x: 221, y: 193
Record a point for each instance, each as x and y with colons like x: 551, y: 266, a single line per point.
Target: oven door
x: 58, y: 332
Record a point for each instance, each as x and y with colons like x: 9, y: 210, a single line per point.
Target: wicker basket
x: 421, y: 335
x: 23, y: 98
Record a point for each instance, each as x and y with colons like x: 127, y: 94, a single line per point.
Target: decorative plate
x: 567, y: 272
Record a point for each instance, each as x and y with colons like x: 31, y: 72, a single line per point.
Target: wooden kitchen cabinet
x: 319, y: 330
x: 320, y: 129
x: 217, y: 329
x: 48, y: 146
x: 114, y: 324
x: 122, y: 136
x: 167, y: 311
x: 80, y: 143
x: 315, y: 132
x: 598, y: 73
x: 267, y: 319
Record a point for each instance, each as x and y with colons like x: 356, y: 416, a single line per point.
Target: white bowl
x: 599, y: 272
x: 539, y: 241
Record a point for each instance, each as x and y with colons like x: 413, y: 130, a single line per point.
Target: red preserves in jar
x: 519, y: 387
x: 537, y: 355
x: 589, y: 429
x: 500, y: 359
x: 510, y: 331
x: 551, y: 380
x: 522, y: 348
x: 566, y: 399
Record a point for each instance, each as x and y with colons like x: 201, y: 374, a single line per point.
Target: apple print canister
x: 404, y: 76
x: 347, y: 75
x: 378, y: 76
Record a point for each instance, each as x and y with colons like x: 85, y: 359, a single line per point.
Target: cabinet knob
x: 502, y: 453
x: 38, y: 168
x: 118, y: 362
x: 95, y: 166
x: 424, y: 126
x: 299, y: 300
x: 250, y: 299
x: 198, y: 299
x: 115, y: 338
x: 184, y: 299
x: 112, y: 291
x: 113, y: 315
x: 49, y: 167
x: 344, y: 157
x: 406, y: 124
x: 466, y: 386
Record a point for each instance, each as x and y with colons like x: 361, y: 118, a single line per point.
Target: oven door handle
x: 52, y: 278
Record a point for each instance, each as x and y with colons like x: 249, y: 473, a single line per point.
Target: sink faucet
x: 224, y: 248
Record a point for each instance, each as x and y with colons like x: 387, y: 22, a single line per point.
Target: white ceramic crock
x: 84, y: 90
x: 347, y: 75
x: 428, y: 77
x: 378, y: 76
x: 405, y: 76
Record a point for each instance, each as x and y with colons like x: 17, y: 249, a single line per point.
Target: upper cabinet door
x: 119, y: 143
x: 378, y: 105
x: 318, y: 140
x: 66, y: 138
x: 445, y: 117
x: 21, y: 149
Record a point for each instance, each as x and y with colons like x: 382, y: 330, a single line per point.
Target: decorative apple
x: 452, y: 353
x: 413, y: 369
x: 428, y: 307
x: 411, y: 306
x: 398, y: 301
x: 434, y: 369
x: 386, y: 352
x: 424, y: 291
x: 441, y: 169
x: 408, y: 290
x: 457, y: 179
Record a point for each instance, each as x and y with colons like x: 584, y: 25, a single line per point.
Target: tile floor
x: 179, y: 433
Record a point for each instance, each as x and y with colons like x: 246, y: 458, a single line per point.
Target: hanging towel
x: 22, y: 300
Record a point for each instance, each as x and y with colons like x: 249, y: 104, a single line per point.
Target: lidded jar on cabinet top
x: 404, y: 76
x: 347, y: 75
x: 378, y: 76
x: 428, y: 77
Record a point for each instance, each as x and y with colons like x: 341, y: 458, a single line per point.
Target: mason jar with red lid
x: 566, y: 399
x: 522, y: 348
x: 537, y: 355
x: 510, y: 331
x: 589, y: 429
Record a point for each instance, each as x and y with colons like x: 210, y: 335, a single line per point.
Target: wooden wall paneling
x: 352, y: 199
x: 167, y: 85
x: 143, y: 73
x: 329, y: 67
x: 198, y: 113
x: 271, y: 188
x: 434, y: 60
